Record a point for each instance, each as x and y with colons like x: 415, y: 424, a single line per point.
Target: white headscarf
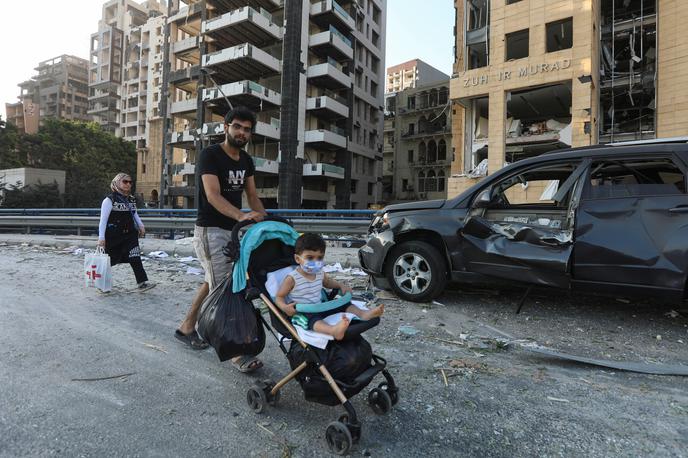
x: 116, y: 184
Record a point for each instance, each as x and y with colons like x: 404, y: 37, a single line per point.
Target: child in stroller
x: 329, y: 374
x: 303, y: 287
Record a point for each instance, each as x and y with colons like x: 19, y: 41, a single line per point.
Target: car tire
x: 416, y: 271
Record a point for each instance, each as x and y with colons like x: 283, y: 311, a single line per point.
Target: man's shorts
x: 208, y: 243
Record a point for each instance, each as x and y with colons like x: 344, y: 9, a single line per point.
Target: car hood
x: 420, y: 205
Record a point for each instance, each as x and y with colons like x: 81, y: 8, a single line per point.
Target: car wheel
x: 416, y: 271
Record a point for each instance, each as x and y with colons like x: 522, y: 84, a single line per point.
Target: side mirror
x: 483, y: 199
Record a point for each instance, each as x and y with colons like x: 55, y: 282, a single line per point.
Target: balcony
x: 328, y: 75
x: 186, y: 169
x: 187, y: 50
x: 326, y: 139
x: 181, y: 191
x: 183, y: 106
x: 242, y: 25
x: 266, y: 166
x: 262, y: 132
x: 328, y: 12
x: 241, y: 62
x: 327, y: 108
x: 184, y: 139
x: 224, y: 6
x: 243, y: 93
x: 185, y: 78
x: 326, y: 170
x: 331, y: 43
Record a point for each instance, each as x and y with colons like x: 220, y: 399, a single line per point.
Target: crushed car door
x: 521, y: 228
x: 632, y: 225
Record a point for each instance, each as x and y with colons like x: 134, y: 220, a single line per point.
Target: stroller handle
x: 247, y: 222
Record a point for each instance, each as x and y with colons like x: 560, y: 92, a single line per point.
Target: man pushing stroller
x: 304, y: 286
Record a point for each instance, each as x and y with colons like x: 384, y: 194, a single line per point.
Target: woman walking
x: 120, y: 228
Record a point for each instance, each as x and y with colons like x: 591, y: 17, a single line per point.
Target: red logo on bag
x: 92, y: 275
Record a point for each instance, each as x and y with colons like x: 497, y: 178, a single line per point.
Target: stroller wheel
x: 256, y: 399
x: 380, y: 401
x: 338, y: 438
x: 394, y: 395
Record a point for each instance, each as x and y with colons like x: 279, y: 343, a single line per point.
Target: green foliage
x: 35, y: 196
x: 9, y: 136
x: 90, y: 156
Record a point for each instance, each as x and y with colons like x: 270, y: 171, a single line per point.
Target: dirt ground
x: 467, y: 387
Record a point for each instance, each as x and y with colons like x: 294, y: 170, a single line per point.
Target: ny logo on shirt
x: 236, y: 177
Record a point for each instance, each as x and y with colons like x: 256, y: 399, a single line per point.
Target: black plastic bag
x: 230, y: 324
x: 345, y: 360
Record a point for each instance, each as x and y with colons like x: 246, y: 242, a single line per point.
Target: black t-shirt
x: 232, y: 175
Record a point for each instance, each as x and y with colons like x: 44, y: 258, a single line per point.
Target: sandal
x: 246, y: 364
x: 192, y: 339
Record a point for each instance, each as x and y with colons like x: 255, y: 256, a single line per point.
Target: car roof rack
x: 651, y: 141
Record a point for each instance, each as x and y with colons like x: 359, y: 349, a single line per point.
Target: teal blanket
x: 253, y: 237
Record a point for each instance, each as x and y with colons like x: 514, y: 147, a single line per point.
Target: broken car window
x: 635, y: 177
x: 535, y: 187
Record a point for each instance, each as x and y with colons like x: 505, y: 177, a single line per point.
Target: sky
x: 65, y: 27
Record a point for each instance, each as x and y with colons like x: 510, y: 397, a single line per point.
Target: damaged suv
x: 609, y: 219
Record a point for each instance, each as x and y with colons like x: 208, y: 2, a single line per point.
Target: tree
x: 35, y: 196
x: 9, y: 156
x: 90, y: 156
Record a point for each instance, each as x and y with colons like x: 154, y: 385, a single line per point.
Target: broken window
x: 635, y: 177
x: 627, y: 70
x: 410, y: 156
x: 432, y: 152
x: 559, y: 35
x: 539, y: 196
x: 440, y: 181
x: 538, y: 120
x: 477, y: 33
x: 476, y: 127
x: 442, y: 150
x: 517, y: 44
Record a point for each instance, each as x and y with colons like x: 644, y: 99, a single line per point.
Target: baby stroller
x: 264, y: 250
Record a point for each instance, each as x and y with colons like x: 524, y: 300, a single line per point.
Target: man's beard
x: 234, y: 142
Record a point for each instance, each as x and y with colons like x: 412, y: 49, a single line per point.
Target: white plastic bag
x: 97, y: 270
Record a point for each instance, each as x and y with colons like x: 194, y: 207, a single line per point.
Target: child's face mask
x: 311, y: 266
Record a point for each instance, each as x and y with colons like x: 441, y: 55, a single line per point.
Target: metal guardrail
x: 334, y: 221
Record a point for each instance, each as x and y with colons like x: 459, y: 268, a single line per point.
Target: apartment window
x: 559, y: 35
x: 411, y: 103
x: 370, y: 189
x: 404, y: 184
x: 354, y: 185
x: 376, y: 15
x: 517, y: 44
x: 412, y: 128
x: 410, y: 156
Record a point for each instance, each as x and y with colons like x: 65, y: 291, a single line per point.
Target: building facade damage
x: 58, y: 90
x: 563, y: 74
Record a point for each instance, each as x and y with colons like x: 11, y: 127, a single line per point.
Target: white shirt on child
x: 306, y: 291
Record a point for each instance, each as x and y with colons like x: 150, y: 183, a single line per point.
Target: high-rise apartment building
x: 414, y: 73
x: 59, y: 90
x: 125, y: 64
x: 313, y: 72
x: 533, y: 76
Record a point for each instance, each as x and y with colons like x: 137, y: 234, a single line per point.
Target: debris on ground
x: 408, y: 330
x: 158, y: 254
